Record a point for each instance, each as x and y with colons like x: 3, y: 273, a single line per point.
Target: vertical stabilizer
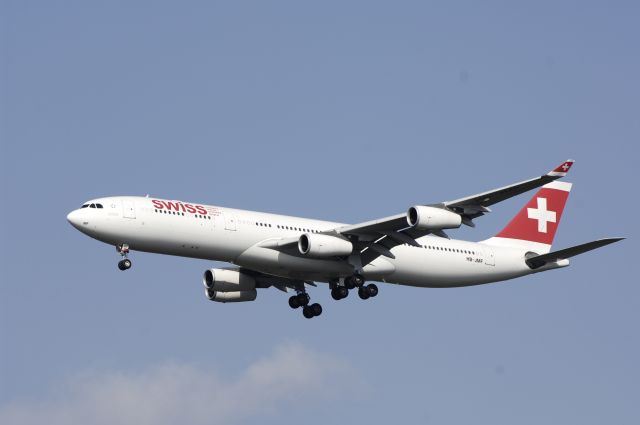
x: 535, y: 226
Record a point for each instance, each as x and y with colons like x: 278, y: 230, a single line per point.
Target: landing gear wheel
x: 293, y: 302
x: 339, y: 292
x: 363, y: 293
x: 124, y: 264
x: 303, y: 298
x: 373, y: 289
x: 348, y: 283
x: 307, y: 312
x: 316, y: 309
x: 335, y: 295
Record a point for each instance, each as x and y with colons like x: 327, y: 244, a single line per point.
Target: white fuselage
x: 234, y: 236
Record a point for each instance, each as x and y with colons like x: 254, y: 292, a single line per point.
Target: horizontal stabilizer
x: 541, y: 260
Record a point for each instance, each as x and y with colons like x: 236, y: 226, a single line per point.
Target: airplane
x: 292, y: 253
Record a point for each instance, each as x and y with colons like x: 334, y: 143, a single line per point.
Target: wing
x: 477, y: 205
x: 377, y: 237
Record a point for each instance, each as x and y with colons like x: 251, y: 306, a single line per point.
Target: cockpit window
x: 98, y: 205
x: 92, y: 206
x: 84, y: 206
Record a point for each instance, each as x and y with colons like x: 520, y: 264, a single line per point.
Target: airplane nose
x: 74, y: 218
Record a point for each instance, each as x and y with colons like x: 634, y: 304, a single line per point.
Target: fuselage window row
x: 204, y: 217
x: 283, y: 227
x: 439, y: 248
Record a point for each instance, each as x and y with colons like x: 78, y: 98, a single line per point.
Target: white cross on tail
x: 542, y: 215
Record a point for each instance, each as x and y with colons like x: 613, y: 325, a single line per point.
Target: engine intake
x: 431, y: 218
x: 323, y: 246
x: 229, y: 286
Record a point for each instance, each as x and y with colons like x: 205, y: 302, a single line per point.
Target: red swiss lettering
x: 172, y: 206
x: 179, y: 206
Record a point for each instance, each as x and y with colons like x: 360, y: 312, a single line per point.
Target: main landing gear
x: 302, y: 299
x: 367, y: 291
x: 339, y: 292
x: 123, y: 250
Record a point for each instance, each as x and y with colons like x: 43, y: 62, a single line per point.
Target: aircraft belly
x: 280, y: 264
x: 418, y: 267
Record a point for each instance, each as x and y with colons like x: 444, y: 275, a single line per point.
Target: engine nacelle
x: 223, y: 280
x: 323, y: 246
x: 232, y: 296
x: 431, y: 218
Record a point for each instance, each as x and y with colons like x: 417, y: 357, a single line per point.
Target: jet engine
x: 323, y: 246
x: 431, y: 218
x: 228, y: 286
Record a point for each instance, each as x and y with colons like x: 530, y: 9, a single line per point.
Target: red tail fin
x: 539, y: 219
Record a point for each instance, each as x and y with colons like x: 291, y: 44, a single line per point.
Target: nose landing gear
x: 124, y: 264
x: 123, y: 250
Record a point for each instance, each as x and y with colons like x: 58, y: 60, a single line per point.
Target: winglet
x: 562, y: 169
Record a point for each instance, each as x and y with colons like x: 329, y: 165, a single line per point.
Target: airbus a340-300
x: 292, y: 253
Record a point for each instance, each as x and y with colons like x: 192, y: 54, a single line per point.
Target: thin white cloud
x: 186, y: 394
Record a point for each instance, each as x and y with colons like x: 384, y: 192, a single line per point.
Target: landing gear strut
x: 302, y: 299
x: 354, y: 281
x: 123, y: 250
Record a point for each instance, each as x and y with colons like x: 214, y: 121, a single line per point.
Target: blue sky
x: 345, y: 111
